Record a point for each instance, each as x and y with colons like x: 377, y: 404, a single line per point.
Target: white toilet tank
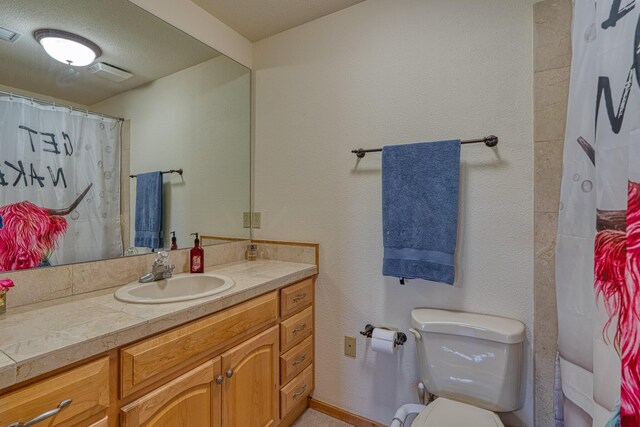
x: 471, y: 358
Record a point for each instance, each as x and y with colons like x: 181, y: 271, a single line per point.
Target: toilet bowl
x: 471, y: 362
x: 443, y: 412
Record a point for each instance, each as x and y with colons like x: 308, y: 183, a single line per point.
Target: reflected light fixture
x: 68, y: 48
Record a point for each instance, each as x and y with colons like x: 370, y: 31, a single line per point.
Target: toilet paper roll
x: 384, y: 341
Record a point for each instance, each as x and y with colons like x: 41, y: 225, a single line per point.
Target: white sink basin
x: 181, y: 287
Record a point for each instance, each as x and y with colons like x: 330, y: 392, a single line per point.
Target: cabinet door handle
x: 299, y: 361
x: 219, y: 379
x: 299, y: 297
x: 229, y: 373
x: 299, y: 393
x: 299, y: 328
x: 42, y: 416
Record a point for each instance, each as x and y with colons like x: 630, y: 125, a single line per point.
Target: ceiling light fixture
x: 67, y: 48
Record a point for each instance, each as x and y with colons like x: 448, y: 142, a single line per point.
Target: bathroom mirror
x: 75, y: 139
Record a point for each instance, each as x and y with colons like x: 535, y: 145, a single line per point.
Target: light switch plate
x: 350, y: 346
x: 246, y: 219
x: 256, y: 219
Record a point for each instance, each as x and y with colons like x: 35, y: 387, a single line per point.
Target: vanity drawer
x: 295, y: 360
x: 295, y: 329
x: 295, y: 297
x: 296, y: 391
x: 153, y: 358
x: 87, y: 387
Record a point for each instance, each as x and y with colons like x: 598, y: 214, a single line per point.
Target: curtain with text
x: 59, y: 185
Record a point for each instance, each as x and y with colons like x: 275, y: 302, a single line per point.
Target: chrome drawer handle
x: 299, y: 297
x: 43, y: 416
x: 300, y: 328
x: 299, y: 393
x: 229, y: 373
x: 219, y: 379
x: 299, y: 361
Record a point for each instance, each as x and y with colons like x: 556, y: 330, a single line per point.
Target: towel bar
x: 178, y: 171
x: 489, y: 141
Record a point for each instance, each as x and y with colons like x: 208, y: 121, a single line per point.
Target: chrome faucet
x: 160, y: 269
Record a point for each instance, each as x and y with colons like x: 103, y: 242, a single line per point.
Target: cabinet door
x: 191, y: 400
x: 250, y: 388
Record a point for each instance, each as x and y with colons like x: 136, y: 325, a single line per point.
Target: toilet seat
x: 444, y: 412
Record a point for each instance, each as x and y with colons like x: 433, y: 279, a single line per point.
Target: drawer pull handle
x: 43, y: 416
x: 300, y: 328
x: 299, y: 361
x: 229, y: 373
x: 299, y: 297
x: 219, y: 379
x: 299, y: 393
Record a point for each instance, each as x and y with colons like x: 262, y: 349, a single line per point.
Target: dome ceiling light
x: 68, y: 48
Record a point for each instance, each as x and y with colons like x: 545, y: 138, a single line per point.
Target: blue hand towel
x: 149, y: 211
x: 420, y: 184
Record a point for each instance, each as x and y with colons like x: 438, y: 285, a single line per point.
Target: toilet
x: 471, y: 362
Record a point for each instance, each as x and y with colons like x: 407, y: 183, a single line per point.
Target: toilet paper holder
x: 368, y: 332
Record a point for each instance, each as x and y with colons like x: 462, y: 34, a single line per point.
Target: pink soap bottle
x: 197, y: 256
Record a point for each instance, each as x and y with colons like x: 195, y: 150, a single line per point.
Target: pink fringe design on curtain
x: 617, y: 281
x: 28, y: 235
x: 629, y: 316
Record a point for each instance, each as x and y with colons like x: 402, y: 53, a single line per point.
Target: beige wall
x: 382, y: 73
x: 552, y: 65
x: 198, y: 120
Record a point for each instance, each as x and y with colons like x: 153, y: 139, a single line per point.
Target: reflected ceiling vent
x: 8, y: 35
x: 109, y: 72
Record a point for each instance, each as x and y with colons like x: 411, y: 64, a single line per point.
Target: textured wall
x: 381, y: 73
x: 196, y: 119
x: 552, y: 52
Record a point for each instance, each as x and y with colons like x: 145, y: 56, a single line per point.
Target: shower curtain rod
x: 489, y: 141
x: 71, y: 109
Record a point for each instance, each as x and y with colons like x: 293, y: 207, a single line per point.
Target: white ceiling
x: 259, y: 19
x: 130, y: 38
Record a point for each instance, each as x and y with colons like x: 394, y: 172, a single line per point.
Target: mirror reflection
x: 117, y: 132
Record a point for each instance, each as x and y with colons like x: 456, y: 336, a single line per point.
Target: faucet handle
x: 169, y: 271
x: 161, y: 258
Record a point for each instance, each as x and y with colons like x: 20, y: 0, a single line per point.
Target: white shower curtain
x: 49, y: 156
x: 597, y: 251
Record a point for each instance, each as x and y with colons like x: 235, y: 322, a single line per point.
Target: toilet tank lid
x: 482, y: 326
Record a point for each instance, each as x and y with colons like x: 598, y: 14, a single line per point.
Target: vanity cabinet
x: 250, y: 365
x: 250, y: 387
x: 296, y: 348
x: 192, y: 399
x: 78, y: 397
x: 238, y: 389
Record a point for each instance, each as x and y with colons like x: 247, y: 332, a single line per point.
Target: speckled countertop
x: 38, y: 338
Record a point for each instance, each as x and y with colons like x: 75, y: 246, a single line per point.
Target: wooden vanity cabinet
x: 296, y: 348
x: 250, y: 387
x: 193, y: 399
x: 238, y: 389
x: 85, y: 389
x: 250, y: 365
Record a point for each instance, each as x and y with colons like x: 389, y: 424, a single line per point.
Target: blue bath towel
x: 149, y: 232
x: 420, y: 184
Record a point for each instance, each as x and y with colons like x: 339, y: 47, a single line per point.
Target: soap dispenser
x: 197, y: 256
x: 174, y: 241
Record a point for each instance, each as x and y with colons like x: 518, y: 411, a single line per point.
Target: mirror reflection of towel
x: 420, y: 184
x: 148, y: 231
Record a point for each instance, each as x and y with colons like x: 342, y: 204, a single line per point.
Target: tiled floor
x: 313, y: 418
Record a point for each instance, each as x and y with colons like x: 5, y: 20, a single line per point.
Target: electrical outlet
x: 350, y: 346
x: 246, y: 219
x: 256, y: 219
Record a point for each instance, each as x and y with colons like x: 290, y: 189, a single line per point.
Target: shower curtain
x: 598, y: 242
x: 49, y: 156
